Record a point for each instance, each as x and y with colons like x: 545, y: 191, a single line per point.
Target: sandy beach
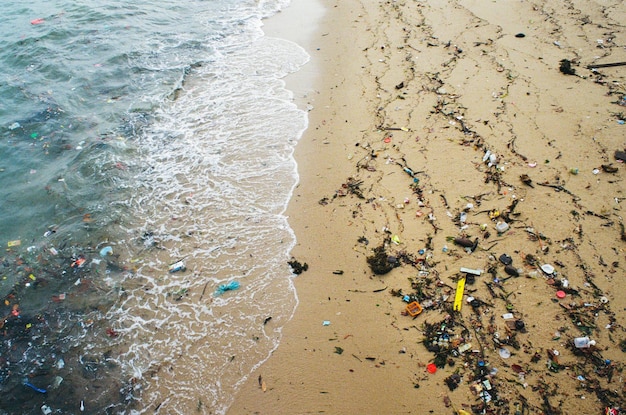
x: 461, y: 155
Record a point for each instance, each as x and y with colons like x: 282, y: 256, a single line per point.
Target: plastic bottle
x: 502, y: 227
x: 583, y: 342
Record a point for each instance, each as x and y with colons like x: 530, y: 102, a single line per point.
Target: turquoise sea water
x: 134, y: 136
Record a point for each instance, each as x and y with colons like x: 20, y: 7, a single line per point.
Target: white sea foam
x: 217, y: 171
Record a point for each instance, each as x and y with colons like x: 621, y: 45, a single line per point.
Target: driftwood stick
x: 606, y: 65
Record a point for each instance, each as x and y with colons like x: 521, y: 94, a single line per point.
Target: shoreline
x: 406, y: 110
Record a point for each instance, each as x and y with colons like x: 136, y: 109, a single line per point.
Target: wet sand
x: 408, y: 101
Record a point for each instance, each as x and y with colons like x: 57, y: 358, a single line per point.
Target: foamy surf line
x: 219, y: 174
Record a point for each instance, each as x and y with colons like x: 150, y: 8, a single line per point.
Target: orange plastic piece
x: 413, y: 308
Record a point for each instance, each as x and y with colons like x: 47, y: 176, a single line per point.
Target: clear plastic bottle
x: 502, y: 227
x: 583, y: 342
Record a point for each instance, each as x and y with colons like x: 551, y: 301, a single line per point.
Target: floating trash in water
x: 35, y: 388
x: 233, y: 285
x: 177, y: 266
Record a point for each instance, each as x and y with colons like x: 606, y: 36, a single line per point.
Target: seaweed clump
x: 566, y: 67
x: 381, y: 263
x: 296, y: 267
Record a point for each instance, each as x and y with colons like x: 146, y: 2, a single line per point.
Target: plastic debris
x: 583, y: 342
x: 413, y: 309
x: 506, y: 259
x: 107, y: 250
x: 325, y: 323
x: 111, y: 332
x: 35, y: 388
x: 177, y: 266
x: 502, y: 227
x: 504, y: 353
x: 458, y: 298
x: 476, y: 272
x: 78, y: 262
x: 547, y: 268
x: 233, y: 285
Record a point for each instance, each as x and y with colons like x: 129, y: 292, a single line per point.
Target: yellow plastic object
x: 458, y: 298
x: 413, y: 308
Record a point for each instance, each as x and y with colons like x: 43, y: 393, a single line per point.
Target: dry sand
x: 427, y: 88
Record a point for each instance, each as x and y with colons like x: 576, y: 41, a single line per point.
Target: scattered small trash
x: 431, y: 368
x: 520, y: 35
x: 326, y: 323
x: 221, y: 289
x: 413, y: 309
x: 476, y: 272
x: 466, y: 243
x: 175, y: 267
x: 502, y: 227
x: 458, y: 298
x: 78, y: 262
x: 111, y: 333
x: 547, y: 268
x: 35, y: 388
x: 504, y: 353
x: 107, y: 250
x: 512, y: 271
x: 583, y: 342
x: 505, y: 259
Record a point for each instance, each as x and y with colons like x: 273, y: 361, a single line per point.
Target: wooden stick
x: 606, y: 65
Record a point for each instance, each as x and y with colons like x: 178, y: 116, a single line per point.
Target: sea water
x: 146, y: 159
